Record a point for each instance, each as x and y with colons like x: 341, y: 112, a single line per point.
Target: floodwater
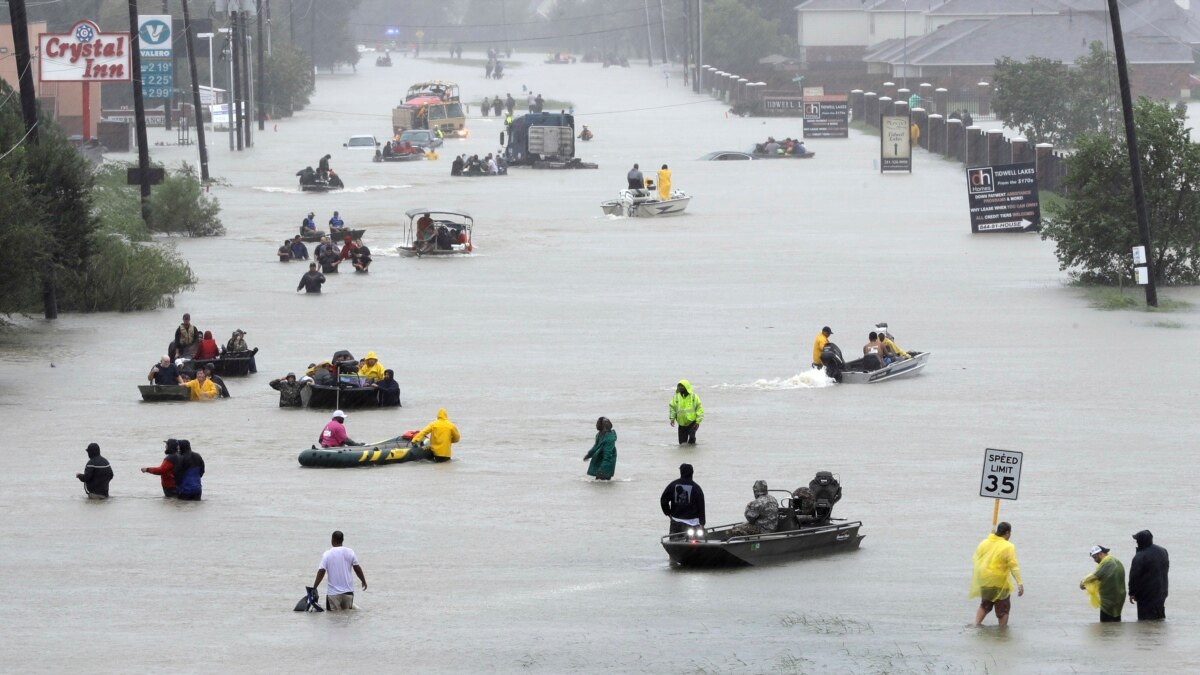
x: 509, y: 559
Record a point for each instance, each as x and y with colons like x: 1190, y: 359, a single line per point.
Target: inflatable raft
x: 392, y: 451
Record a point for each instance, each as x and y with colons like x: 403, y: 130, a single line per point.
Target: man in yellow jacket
x: 371, y: 368
x: 685, y: 408
x: 442, y: 433
x: 819, y: 345
x: 995, y: 562
x: 664, y: 183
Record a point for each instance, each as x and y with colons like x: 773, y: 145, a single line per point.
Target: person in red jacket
x: 348, y: 249
x: 167, y: 469
x: 208, y: 348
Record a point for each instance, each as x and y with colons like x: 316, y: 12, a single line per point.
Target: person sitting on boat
x: 798, y: 148
x: 164, y: 372
x: 208, y: 349
x: 201, y: 388
x: 501, y: 164
x: 334, y: 434
x: 307, y: 176
x: 894, y: 352
x: 456, y: 167
x: 762, y: 513
x: 370, y: 367
x: 586, y: 134
x: 289, y: 391
x: 222, y: 390
x: 361, y: 257
x: 187, y: 338
x: 285, y: 252
x: 237, y: 342
x: 474, y: 166
x: 336, y: 223
x: 297, y: 248
x: 309, y: 224
x: 771, y: 147
x: 635, y: 179
x: 664, y: 183
x: 323, y: 168
x: 492, y: 169
x: 388, y: 389
x: 426, y: 232
x: 325, y: 374
x: 442, y: 434
x: 873, y: 352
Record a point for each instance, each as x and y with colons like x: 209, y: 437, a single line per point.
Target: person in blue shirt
x: 336, y: 223
x: 299, y: 250
x: 164, y: 372
x: 308, y: 225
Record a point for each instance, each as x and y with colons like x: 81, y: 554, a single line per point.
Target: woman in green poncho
x: 1106, y: 585
x: 604, y: 452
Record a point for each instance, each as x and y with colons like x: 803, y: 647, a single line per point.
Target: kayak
x: 392, y: 451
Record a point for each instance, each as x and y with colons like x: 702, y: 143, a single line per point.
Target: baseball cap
x: 339, y: 413
x: 1098, y: 549
x: 826, y: 329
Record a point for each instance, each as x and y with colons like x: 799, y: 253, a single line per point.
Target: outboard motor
x: 831, y: 358
x: 826, y: 491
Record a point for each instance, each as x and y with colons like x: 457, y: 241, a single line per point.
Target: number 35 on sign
x: 1001, y: 474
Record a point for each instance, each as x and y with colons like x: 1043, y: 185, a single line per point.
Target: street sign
x: 1004, y: 198
x: 826, y: 116
x: 1001, y: 474
x: 895, y: 144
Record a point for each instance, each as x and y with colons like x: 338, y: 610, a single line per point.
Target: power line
x: 13, y: 148
x: 494, y: 25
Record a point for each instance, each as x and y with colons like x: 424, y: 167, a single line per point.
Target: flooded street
x: 510, y: 558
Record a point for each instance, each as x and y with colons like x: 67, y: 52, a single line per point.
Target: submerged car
x: 726, y: 155
x: 361, y: 142
x: 421, y: 138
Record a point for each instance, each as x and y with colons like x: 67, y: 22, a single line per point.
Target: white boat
x: 856, y: 373
x: 646, y: 204
x: 450, y: 234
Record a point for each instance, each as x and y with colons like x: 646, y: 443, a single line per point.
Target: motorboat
x: 646, y: 204
x: 157, y: 393
x: 351, y: 392
x: 315, y: 183
x: 450, y: 234
x: 868, y: 369
x: 228, y: 364
x: 314, y: 236
x: 383, y: 61
x: 392, y: 451
x: 805, y: 529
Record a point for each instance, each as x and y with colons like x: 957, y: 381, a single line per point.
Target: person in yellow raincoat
x: 995, y: 561
x: 664, y: 183
x: 1106, y: 585
x: 371, y: 368
x: 201, y: 388
x: 819, y: 346
x: 686, y: 409
x: 442, y: 433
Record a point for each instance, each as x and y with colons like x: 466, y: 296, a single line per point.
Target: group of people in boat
x: 881, y: 349
x: 190, y: 358
x: 639, y: 182
x: 396, y: 146
x: 332, y: 373
x: 789, y: 146
x: 323, y: 175
x: 682, y: 501
x: 308, y: 224
x: 490, y: 165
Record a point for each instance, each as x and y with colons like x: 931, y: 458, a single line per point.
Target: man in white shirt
x: 337, y: 563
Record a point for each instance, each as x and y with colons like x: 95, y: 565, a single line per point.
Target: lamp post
x: 211, y: 87
x: 905, y: 15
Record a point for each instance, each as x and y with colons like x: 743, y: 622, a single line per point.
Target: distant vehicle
x: 432, y: 105
x: 361, y: 142
x: 544, y: 141
x: 725, y: 155
x: 421, y: 138
x: 560, y: 57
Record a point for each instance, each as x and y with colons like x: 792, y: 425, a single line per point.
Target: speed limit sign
x: 1001, y: 474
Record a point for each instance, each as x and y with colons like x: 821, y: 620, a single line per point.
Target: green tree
x: 289, y: 80
x: 737, y: 36
x: 1096, y: 225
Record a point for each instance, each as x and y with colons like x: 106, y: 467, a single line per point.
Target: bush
x: 124, y: 276
x: 179, y: 206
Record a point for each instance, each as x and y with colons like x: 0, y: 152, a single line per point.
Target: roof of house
x: 834, y: 5
x: 994, y: 7
x: 1061, y: 37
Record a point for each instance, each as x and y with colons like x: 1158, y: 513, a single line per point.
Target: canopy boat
x: 156, y: 393
x: 868, y: 369
x: 334, y: 235
x: 451, y: 234
x: 392, y: 451
x: 646, y: 204
x: 805, y: 529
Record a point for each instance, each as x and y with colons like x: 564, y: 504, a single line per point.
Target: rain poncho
x: 441, y: 432
x: 603, y: 455
x: 375, y: 372
x: 202, y: 392
x: 686, y: 409
x: 664, y: 184
x: 1106, y: 586
x: 995, y: 563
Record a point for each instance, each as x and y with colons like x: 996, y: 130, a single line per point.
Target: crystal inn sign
x: 84, y: 55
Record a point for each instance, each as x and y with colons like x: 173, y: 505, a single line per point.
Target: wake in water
x: 809, y: 379
x: 362, y: 188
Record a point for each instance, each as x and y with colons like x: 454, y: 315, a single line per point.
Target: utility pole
x: 689, y: 54
x: 20, y: 29
x: 198, y: 112
x: 699, y: 41
x: 236, y: 110
x: 245, y: 36
x: 312, y: 35
x: 139, y: 109
x: 167, y: 103
x: 662, y: 13
x: 259, y: 110
x: 649, y: 43
x: 1135, y: 157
